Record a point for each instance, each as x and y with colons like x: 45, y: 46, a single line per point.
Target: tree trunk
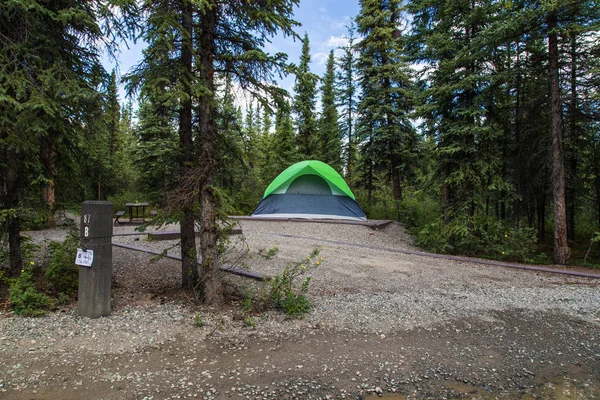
x: 189, y: 258
x: 350, y: 154
x: 48, y: 193
x: 561, y: 248
x: 212, y: 289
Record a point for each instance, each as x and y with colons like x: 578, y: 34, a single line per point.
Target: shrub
x: 249, y: 322
x: 478, y: 237
x: 270, y: 253
x: 25, y: 299
x: 283, y: 292
x: 198, y: 320
x: 61, y: 272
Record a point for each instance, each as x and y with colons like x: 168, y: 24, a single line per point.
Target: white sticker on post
x: 84, y: 258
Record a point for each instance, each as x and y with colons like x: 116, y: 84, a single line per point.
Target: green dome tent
x: 311, y: 190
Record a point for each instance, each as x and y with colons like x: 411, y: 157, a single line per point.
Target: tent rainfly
x: 309, y: 190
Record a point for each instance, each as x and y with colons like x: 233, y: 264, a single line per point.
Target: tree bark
x: 212, y: 290
x: 48, y: 193
x: 561, y: 248
x: 189, y: 258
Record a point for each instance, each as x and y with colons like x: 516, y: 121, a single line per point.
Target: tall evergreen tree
x: 329, y: 138
x: 304, y: 104
x: 49, y: 67
x: 347, y: 88
x: 230, y: 36
x: 387, y: 89
x: 457, y: 99
x: 283, y: 145
x: 156, y: 150
x: 166, y: 76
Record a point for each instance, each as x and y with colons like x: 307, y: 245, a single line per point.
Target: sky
x: 325, y: 22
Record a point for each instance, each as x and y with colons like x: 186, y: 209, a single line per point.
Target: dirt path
x: 384, y: 324
x: 503, y: 358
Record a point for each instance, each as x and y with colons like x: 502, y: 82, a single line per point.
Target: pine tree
x: 230, y: 37
x: 387, y: 90
x: 282, y: 145
x: 49, y: 67
x: 188, y: 42
x: 457, y: 101
x: 348, y: 88
x: 166, y: 77
x: 329, y: 138
x: 156, y: 150
x: 304, y: 104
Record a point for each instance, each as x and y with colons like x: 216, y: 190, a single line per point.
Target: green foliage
x: 61, y: 273
x: 419, y: 210
x: 42, y: 286
x: 4, y: 281
x: 28, y: 249
x: 478, y: 237
x: 268, y: 253
x: 249, y: 322
x: 347, y: 88
x: 284, y: 292
x: 329, y: 135
x: 304, y: 104
x: 594, y: 239
x: 198, y: 320
x: 35, y: 218
x: 24, y: 297
x: 389, y: 142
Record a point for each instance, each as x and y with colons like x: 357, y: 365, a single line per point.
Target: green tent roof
x: 310, y: 167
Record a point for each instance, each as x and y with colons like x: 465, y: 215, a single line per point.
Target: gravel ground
x: 383, y: 323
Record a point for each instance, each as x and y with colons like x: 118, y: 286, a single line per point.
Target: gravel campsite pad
x: 384, y: 324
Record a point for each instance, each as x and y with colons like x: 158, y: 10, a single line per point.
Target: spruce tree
x: 347, y: 87
x: 387, y: 90
x: 329, y: 138
x: 304, y: 104
x: 49, y: 67
x: 283, y: 145
x: 188, y: 43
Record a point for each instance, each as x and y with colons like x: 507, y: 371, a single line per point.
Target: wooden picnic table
x: 134, y: 210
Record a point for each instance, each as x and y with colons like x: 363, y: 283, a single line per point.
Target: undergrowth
x: 42, y: 286
x: 287, y: 291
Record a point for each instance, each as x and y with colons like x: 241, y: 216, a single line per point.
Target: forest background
x: 475, y: 123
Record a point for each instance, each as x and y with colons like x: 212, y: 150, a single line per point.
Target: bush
x: 283, y: 292
x: 40, y: 288
x: 25, y: 299
x: 419, y: 210
x: 61, y: 272
x: 478, y: 237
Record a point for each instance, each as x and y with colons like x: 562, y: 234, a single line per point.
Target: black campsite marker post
x: 94, y: 258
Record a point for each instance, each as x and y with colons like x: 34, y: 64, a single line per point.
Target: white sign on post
x: 84, y: 258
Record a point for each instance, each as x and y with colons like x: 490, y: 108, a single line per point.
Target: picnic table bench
x: 118, y: 215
